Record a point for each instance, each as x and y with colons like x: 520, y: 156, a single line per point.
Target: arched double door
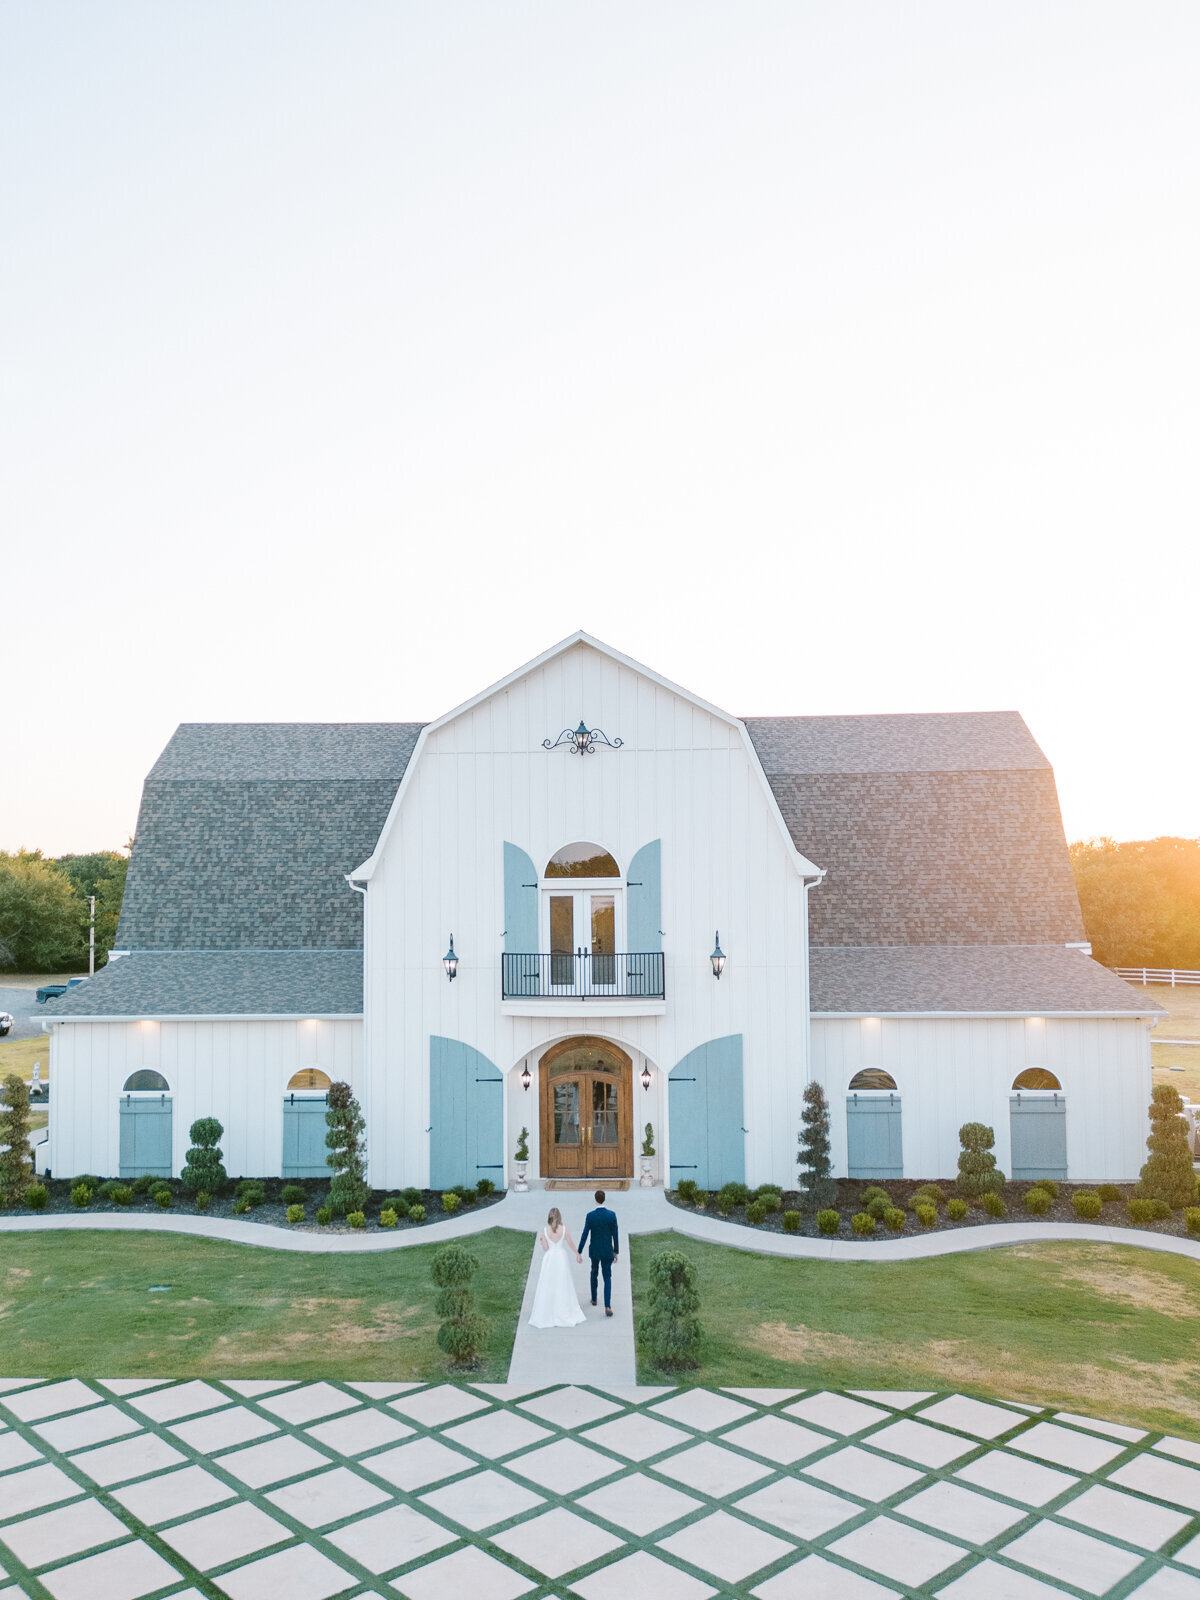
x: 587, y: 1110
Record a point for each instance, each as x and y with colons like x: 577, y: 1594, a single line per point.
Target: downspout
x: 361, y: 889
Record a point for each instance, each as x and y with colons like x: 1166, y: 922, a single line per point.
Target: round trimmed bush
x: 356, y: 1219
x: 928, y: 1194
x: 862, y: 1222
x: 1160, y: 1210
x: 926, y: 1215
x: 895, y: 1219
x: 688, y: 1191
x: 756, y: 1212
x: 1038, y: 1201
x: 450, y: 1203
x: 387, y: 1218
x: 416, y: 1213
x: 1086, y: 1203
x: 1191, y: 1217
x: 162, y: 1198
x: 828, y: 1221
x: 1050, y: 1186
x: 293, y: 1194
x: 36, y: 1196
x: 81, y: 1195
x: 295, y: 1213
x: 1108, y: 1192
x: 791, y: 1221
x: 878, y: 1206
x: 122, y: 1195
x: 1140, y: 1211
x: 412, y: 1196
x: 956, y: 1209
x: 324, y: 1216
x: 241, y: 1207
x: 203, y: 1200
x: 992, y: 1204
x: 769, y: 1196
x: 724, y: 1204
x: 484, y: 1187
x: 873, y: 1191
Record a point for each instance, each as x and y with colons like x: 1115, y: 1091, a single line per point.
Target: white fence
x: 1171, y: 975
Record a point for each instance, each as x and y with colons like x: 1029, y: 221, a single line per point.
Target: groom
x: 601, y: 1229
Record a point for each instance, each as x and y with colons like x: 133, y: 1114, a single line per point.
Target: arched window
x: 1036, y: 1078
x: 309, y: 1078
x: 582, y: 860
x: 146, y: 1083
x: 872, y: 1078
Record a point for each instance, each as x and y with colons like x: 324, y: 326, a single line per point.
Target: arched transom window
x: 309, y: 1078
x: 1036, y: 1078
x: 146, y: 1082
x: 582, y: 860
x: 583, y: 919
x: 872, y: 1078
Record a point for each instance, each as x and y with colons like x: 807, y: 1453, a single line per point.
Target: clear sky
x: 825, y: 356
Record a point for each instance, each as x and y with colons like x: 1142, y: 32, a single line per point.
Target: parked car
x: 6, y: 1023
x: 51, y: 991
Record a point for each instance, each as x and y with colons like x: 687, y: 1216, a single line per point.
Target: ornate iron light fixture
x: 526, y: 1077
x: 717, y: 958
x: 646, y: 1077
x: 582, y: 741
x: 450, y: 961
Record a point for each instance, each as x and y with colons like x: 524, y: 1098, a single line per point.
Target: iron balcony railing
x: 636, y: 975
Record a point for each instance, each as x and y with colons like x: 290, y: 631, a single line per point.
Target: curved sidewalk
x: 640, y: 1210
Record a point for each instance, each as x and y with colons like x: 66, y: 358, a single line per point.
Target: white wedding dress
x: 555, y: 1303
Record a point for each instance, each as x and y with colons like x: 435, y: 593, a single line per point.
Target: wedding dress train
x: 555, y: 1303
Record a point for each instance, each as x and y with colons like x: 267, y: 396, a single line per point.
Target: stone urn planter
x: 521, y: 1184
x: 646, y: 1181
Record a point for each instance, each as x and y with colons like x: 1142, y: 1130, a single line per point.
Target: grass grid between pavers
x: 359, y: 1578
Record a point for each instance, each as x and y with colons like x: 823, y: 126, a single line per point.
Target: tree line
x: 1140, y: 900
x: 44, y: 909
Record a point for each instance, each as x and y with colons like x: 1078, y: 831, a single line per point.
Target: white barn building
x: 892, y: 896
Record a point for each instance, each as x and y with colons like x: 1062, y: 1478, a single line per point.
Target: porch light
x: 526, y: 1076
x: 717, y: 958
x: 646, y: 1076
x: 450, y: 961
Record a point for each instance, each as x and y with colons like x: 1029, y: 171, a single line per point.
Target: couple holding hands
x: 555, y: 1303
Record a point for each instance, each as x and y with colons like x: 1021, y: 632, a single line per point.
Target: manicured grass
x: 1180, y: 1056
x: 1183, y: 1004
x: 1095, y: 1328
x: 79, y: 1304
x: 18, y: 1055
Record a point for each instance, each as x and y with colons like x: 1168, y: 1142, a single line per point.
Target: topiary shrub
x: 670, y: 1328
x: 818, y: 1189
x: 756, y: 1212
x: 356, y: 1219
x: 895, y: 1219
x: 324, y: 1216
x: 416, y: 1213
x: 16, y: 1161
x: 463, y: 1334
x: 1087, y: 1205
x: 977, y: 1172
x: 203, y: 1200
x: 1191, y: 1217
x: 484, y: 1187
x: 878, y: 1206
x: 791, y: 1222
x: 926, y: 1215
x: 521, y: 1153
x: 36, y: 1196
x: 253, y: 1191
x: 1108, y: 1192
x: 202, y: 1169
x: 828, y: 1220
x: 862, y: 1222
x: 1038, y: 1201
x: 1050, y: 1186
x: 81, y: 1195
x: 387, y: 1218
x: 648, y: 1141
x: 450, y: 1203
x: 992, y: 1204
x: 956, y: 1209
x: 293, y: 1194
x: 688, y: 1191
x: 162, y: 1198
x: 346, y: 1142
x: 295, y: 1213
x: 1167, y: 1174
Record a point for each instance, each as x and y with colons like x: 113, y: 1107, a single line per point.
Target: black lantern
x: 718, y: 958
x: 646, y: 1076
x: 450, y: 961
x: 526, y: 1076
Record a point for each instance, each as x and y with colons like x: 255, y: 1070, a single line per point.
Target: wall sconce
x: 450, y: 961
x: 717, y: 958
x: 526, y: 1077
x: 646, y: 1076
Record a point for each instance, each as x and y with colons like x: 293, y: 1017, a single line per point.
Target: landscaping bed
x: 852, y: 1200
x: 272, y: 1208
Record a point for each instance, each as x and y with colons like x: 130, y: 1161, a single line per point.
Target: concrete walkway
x: 640, y: 1211
x: 599, y: 1351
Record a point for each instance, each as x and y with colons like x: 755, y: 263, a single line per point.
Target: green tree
x: 1140, y: 900
x: 818, y: 1188
x: 203, y: 1172
x: 670, y: 1328
x: 41, y: 916
x: 1168, y: 1175
x: 977, y: 1171
x: 463, y: 1334
x: 103, y: 874
x: 16, y: 1162
x: 346, y: 1141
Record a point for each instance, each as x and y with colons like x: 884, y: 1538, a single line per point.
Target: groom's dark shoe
x: 608, y: 1311
x: 593, y: 1302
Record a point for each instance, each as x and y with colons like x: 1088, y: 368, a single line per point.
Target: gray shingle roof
x: 931, y: 829
x: 246, y: 830
x: 1029, y: 980
x: 176, y: 983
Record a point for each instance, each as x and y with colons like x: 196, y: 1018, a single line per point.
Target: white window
x: 582, y: 916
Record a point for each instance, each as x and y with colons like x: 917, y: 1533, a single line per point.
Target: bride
x: 555, y: 1303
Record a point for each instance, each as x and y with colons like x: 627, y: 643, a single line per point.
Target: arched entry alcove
x: 586, y: 1110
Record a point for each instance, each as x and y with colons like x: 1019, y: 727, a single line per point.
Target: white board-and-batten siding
x: 951, y: 1070
x: 235, y: 1071
x: 683, y: 775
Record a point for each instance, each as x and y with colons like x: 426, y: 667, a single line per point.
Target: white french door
x: 581, y: 932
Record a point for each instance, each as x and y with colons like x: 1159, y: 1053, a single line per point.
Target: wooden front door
x: 586, y: 1087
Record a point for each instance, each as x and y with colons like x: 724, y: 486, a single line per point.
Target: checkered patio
x: 141, y: 1490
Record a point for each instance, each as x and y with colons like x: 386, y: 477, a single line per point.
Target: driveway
x: 27, y: 1014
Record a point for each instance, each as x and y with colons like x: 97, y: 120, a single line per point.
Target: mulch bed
x: 273, y: 1211
x: 849, y: 1201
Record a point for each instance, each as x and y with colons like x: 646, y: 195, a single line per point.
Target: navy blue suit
x: 603, y: 1238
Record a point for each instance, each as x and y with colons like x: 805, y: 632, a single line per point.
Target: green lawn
x: 78, y: 1304
x: 18, y: 1055
x: 1095, y: 1328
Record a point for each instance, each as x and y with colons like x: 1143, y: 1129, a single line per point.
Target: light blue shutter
x: 873, y: 1142
x: 704, y: 1102
x: 466, y: 1106
x: 145, y: 1138
x: 1039, y: 1137
x: 304, y: 1129
x: 520, y: 922
x: 643, y: 902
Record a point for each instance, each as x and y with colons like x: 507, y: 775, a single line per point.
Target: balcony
x: 636, y: 975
